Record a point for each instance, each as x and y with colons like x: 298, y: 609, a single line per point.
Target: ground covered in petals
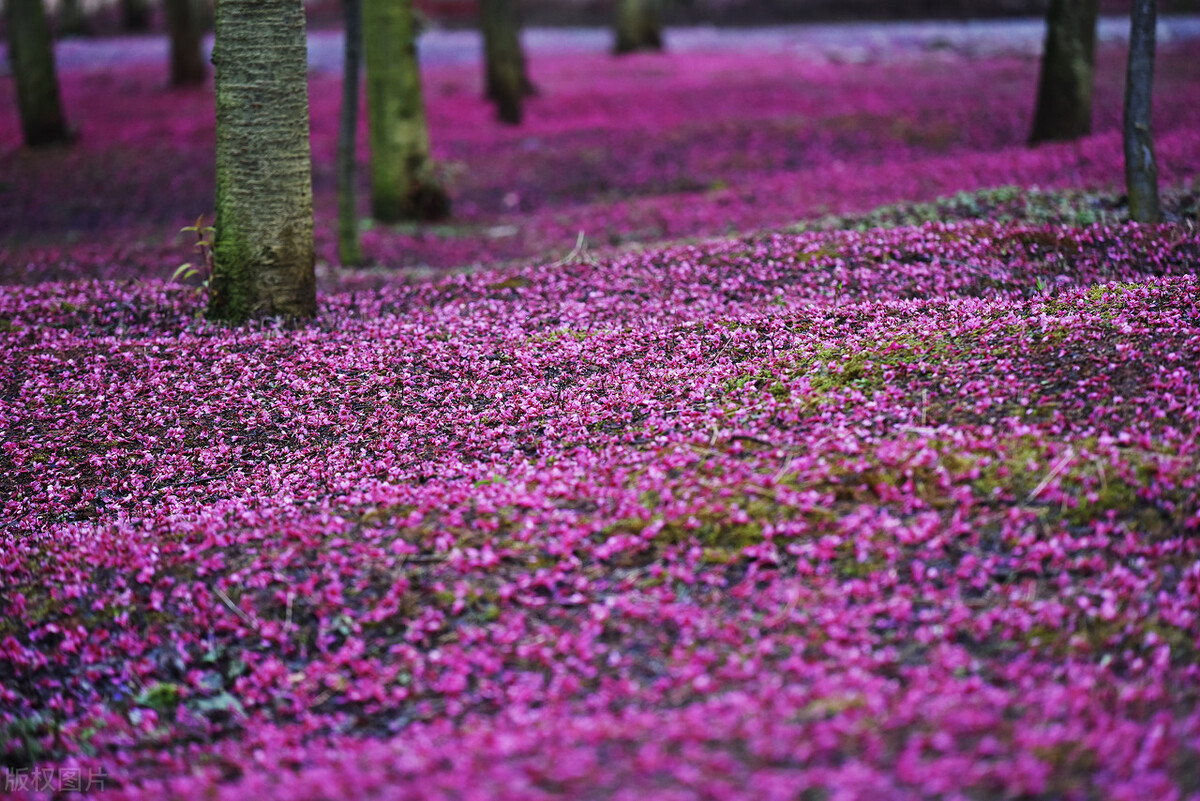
x: 899, y: 503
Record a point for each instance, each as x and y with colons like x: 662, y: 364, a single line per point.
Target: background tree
x: 505, y: 73
x: 1064, y: 99
x: 31, y: 55
x: 1141, y: 169
x: 638, y: 26
x: 185, y: 26
x: 403, y: 185
x: 349, y: 246
x: 135, y: 15
x: 71, y: 19
x: 263, y: 252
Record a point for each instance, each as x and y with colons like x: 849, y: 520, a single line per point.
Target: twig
x: 192, y: 483
x: 783, y: 469
x: 249, y: 621
x: 755, y: 440
x: 927, y: 431
x: 578, y: 253
x: 1054, y: 471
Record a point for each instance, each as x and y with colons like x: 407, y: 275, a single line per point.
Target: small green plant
x: 1043, y: 287
x: 162, y: 697
x: 203, y: 266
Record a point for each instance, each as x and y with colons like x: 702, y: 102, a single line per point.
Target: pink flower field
x: 843, y: 463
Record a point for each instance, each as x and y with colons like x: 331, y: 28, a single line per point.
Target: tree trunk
x: 72, y: 21
x: 263, y: 252
x: 349, y: 247
x: 186, y: 29
x: 639, y: 26
x: 505, y: 76
x: 135, y: 15
x: 1064, y: 101
x: 1141, y: 169
x: 31, y: 54
x: 403, y: 185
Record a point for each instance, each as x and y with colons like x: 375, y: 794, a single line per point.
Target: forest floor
x: 850, y: 452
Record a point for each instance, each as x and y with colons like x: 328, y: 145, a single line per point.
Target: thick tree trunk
x: 505, y: 76
x: 1064, y: 101
x: 72, y: 21
x: 349, y: 247
x: 31, y: 53
x: 639, y: 26
x: 403, y: 185
x: 264, y: 254
x: 135, y: 15
x: 1141, y: 169
x: 185, y: 25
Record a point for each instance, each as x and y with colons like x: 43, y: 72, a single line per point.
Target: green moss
x: 162, y: 697
x: 384, y: 514
x: 231, y: 294
x: 830, y: 707
x: 1072, y: 767
x: 720, y: 556
x: 847, y: 565
x: 515, y: 282
x: 711, y: 530
x: 22, y: 741
x: 1109, y: 299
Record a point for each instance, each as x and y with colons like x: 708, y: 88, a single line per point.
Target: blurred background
x: 107, y: 17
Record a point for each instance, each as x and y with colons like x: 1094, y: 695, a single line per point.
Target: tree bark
x: 349, y: 246
x: 639, y: 26
x: 403, y: 185
x: 185, y: 26
x: 1064, y: 100
x: 505, y: 75
x: 263, y: 253
x: 135, y: 15
x: 1141, y: 168
x: 31, y: 54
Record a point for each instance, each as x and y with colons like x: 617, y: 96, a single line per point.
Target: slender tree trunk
x: 639, y: 26
x: 1141, y: 169
x: 1064, y: 101
x: 31, y: 53
x: 403, y: 185
x: 264, y: 253
x: 186, y: 29
x: 135, y: 15
x: 72, y: 21
x: 505, y: 76
x: 349, y: 247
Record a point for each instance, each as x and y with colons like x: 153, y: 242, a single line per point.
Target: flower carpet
x: 883, y: 496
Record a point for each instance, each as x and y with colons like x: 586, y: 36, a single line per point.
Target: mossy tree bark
x: 1141, y: 168
x: 403, y: 186
x: 263, y: 252
x: 31, y: 54
x: 349, y: 245
x: 1064, y: 100
x: 135, y: 15
x: 639, y: 26
x: 185, y: 26
x: 506, y: 77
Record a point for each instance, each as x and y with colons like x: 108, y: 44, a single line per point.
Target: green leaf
x: 221, y: 702
x: 162, y: 697
x: 184, y: 271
